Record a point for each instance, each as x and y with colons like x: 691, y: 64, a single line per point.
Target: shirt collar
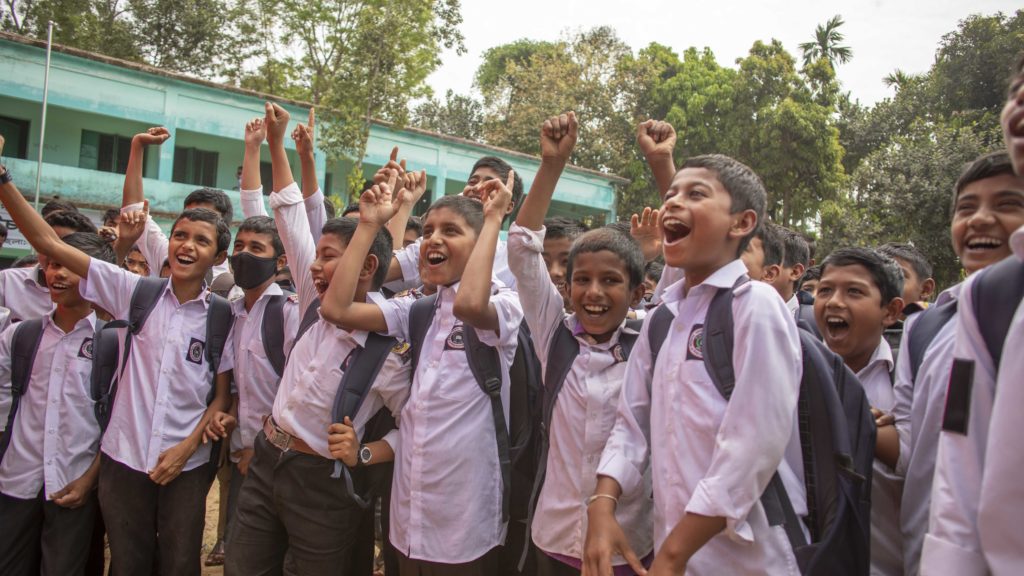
x: 724, y: 277
x: 882, y: 354
x: 576, y: 328
x: 89, y: 321
x: 204, y: 294
x: 274, y: 289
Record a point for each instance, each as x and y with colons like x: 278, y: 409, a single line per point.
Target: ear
x: 797, y: 272
x: 927, y: 289
x: 771, y: 273
x: 743, y: 224
x: 369, y: 268
x: 892, y: 312
x: 282, y: 261
x: 220, y: 257
x: 638, y: 295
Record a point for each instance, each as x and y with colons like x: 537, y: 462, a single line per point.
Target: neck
x: 251, y: 296
x: 185, y: 290
x: 66, y: 317
x: 696, y: 275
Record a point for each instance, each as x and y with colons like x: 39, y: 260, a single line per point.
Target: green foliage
x: 826, y: 44
x: 458, y: 115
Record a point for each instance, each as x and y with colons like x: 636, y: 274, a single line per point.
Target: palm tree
x: 826, y: 44
x: 898, y: 79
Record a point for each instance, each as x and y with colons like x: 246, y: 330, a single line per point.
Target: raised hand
x: 376, y: 205
x: 382, y: 175
x: 656, y: 138
x: 415, y: 184
x: 497, y: 196
x: 558, y: 136
x: 255, y: 133
x: 303, y: 136
x: 152, y: 137
x: 645, y: 228
x: 276, y: 122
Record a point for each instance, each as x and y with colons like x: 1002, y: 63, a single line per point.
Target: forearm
x: 472, y: 301
x: 121, y: 250
x: 689, y: 536
x: 309, y: 183
x: 396, y: 226
x: 132, y: 192
x: 535, y: 206
x: 93, y: 473
x: 280, y: 166
x: 663, y: 168
x: 887, y: 446
x: 251, y: 169
x: 380, y: 453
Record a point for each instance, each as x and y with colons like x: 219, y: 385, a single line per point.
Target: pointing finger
x: 394, y: 154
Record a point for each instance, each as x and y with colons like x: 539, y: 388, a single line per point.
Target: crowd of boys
x: 376, y: 362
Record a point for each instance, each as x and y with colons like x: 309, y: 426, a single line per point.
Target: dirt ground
x: 210, y: 533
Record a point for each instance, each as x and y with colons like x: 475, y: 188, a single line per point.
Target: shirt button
x: 51, y: 431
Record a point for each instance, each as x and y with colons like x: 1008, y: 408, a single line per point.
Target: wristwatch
x: 365, y: 455
x: 5, y: 175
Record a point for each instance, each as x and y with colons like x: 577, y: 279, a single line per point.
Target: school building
x: 96, y: 104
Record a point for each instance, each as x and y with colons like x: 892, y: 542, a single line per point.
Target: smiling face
x: 63, y: 284
x: 192, y: 249
x: 985, y: 214
x: 700, y: 233
x: 329, y: 250
x: 849, y: 312
x: 448, y: 240
x: 600, y: 292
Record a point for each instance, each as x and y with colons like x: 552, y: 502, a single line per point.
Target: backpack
x: 517, y: 440
x: 805, y: 318
x: 24, y: 346
x: 108, y: 365
x: 996, y: 296
x: 837, y: 440
x: 927, y: 326
x: 272, y: 331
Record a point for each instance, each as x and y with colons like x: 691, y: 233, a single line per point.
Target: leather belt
x: 284, y: 441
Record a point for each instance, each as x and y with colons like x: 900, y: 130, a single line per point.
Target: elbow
x: 332, y: 312
x: 469, y: 312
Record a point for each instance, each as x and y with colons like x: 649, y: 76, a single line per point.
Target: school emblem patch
x: 85, y: 350
x: 695, y: 343
x: 194, y: 354
x: 619, y: 353
x: 403, y: 350
x: 456, y: 340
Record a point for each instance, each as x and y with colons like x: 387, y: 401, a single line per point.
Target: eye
x: 1011, y: 204
x: 824, y: 291
x: 965, y: 208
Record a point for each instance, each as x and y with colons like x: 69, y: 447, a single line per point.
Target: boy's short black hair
x: 607, y: 239
x: 985, y: 166
x: 740, y: 181
x: 885, y: 272
x: 909, y: 254
x: 414, y: 223
x: 622, y: 227
x: 74, y: 220
x: 559, y: 227
x: 216, y: 198
x: 654, y: 269
x: 502, y: 168
x: 470, y: 209
x: 92, y: 244
x: 211, y: 217
x: 812, y: 273
x: 264, y: 225
x: 26, y: 261
x: 771, y: 243
x: 795, y: 249
x: 329, y: 208
x: 57, y: 205
x: 344, y: 228
x: 111, y: 215
x: 352, y: 208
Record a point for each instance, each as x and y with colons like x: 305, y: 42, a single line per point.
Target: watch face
x: 364, y: 454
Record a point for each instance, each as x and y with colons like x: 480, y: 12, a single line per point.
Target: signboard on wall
x: 16, y: 240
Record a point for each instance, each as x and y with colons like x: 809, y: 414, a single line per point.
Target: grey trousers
x: 40, y: 537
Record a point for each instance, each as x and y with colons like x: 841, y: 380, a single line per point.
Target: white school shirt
x: 294, y: 229
x: 254, y: 377
x: 709, y: 456
x: 886, y: 485
x: 23, y: 294
x: 793, y: 304
x: 316, y: 214
x: 976, y: 497
x: 583, y: 416
x: 55, y: 435
x: 163, y: 390
x: 446, y: 498
x: 918, y: 413
x: 409, y: 259
x: 153, y: 245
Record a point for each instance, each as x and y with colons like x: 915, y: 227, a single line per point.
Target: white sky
x: 884, y: 34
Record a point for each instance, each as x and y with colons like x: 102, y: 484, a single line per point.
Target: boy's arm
x: 473, y: 300
x: 153, y: 243
x: 416, y: 185
x: 543, y: 307
x: 657, y: 141
x: 251, y: 188
x: 303, y: 137
x: 557, y: 141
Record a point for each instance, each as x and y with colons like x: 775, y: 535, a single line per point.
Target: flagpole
x: 42, y: 124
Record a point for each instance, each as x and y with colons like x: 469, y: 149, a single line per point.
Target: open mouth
x: 984, y: 243
x: 59, y: 286
x: 435, y: 258
x: 185, y: 260
x: 594, y: 310
x: 674, y: 230
x: 321, y: 285
x: 836, y: 327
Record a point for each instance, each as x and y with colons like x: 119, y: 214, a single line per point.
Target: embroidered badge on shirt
x: 456, y: 340
x: 294, y: 298
x: 85, y: 350
x: 695, y: 343
x: 195, y: 351
x: 619, y: 353
x: 403, y: 350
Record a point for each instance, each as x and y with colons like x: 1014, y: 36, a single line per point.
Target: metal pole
x: 42, y: 124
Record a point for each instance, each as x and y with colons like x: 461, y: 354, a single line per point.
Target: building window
x: 266, y: 177
x: 328, y: 184
x: 196, y: 167
x: 15, y: 132
x: 104, y: 152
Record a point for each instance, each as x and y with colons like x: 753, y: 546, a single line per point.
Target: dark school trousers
x: 148, y: 524
x: 40, y: 537
x: 290, y: 507
x: 486, y: 565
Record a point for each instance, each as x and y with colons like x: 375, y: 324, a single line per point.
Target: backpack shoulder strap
x: 660, y: 321
x: 218, y: 323
x: 144, y: 298
x: 421, y: 313
x: 24, y: 345
x: 105, y: 347
x: 923, y: 332
x: 628, y: 339
x: 997, y: 295
x: 309, y: 317
x: 562, y: 352
x: 272, y: 332
x: 719, y: 336
x: 805, y: 319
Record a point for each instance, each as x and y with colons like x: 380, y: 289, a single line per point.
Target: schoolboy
x: 48, y: 473
x: 918, y: 284
x: 604, y: 271
x: 858, y: 298
x: 153, y: 241
x: 413, y: 231
x: 289, y: 504
x: 796, y: 257
x: 652, y: 275
x: 559, y: 235
x: 809, y: 281
x: 983, y: 206
x: 136, y: 263
x: 710, y: 459
x: 154, y: 473
x: 763, y: 256
x: 448, y: 423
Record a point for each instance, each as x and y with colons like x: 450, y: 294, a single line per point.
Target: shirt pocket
x: 78, y: 382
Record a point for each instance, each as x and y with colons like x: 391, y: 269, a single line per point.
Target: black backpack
x: 923, y: 332
x: 837, y: 440
x: 272, y: 331
x: 24, y: 346
x: 108, y: 365
x: 517, y: 441
x: 996, y: 296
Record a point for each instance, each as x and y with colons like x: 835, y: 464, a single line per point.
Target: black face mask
x: 251, y: 271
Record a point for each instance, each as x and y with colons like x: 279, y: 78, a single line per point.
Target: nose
x: 983, y: 216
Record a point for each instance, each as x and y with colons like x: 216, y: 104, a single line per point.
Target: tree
x: 458, y: 115
x: 94, y: 25
x: 826, y: 44
x: 189, y: 36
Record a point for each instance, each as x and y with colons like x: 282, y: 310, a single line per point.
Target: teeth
x: 596, y: 309
x: 59, y: 286
x: 985, y: 242
x: 835, y: 321
x: 186, y: 259
x: 435, y: 257
x: 320, y: 284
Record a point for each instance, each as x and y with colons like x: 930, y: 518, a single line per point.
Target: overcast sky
x: 884, y: 34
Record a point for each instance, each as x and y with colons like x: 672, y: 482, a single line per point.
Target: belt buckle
x: 282, y: 440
